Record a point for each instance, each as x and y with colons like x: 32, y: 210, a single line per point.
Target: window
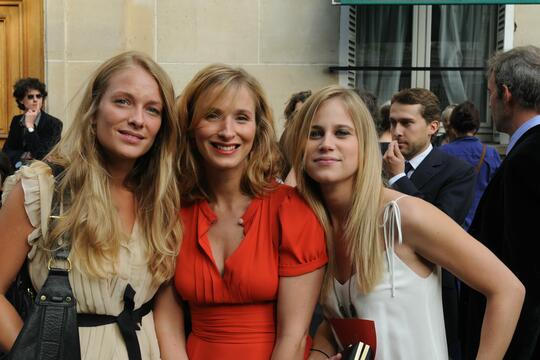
x: 439, y: 47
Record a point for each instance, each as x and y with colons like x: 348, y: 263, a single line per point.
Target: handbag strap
x: 58, y: 204
x: 60, y: 332
x: 482, y: 157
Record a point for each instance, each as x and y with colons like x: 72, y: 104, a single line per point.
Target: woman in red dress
x: 252, y: 257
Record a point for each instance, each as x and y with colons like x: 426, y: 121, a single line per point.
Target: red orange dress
x: 234, y: 316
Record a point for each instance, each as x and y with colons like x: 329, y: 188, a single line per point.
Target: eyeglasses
x: 31, y: 96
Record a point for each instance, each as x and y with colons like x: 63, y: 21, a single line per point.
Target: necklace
x: 352, y: 309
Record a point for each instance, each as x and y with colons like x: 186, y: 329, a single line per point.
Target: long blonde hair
x: 91, y: 219
x: 264, y: 159
x: 361, y: 231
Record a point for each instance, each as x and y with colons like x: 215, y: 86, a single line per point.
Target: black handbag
x: 50, y: 330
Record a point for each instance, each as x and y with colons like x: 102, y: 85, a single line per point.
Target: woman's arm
x: 297, y: 296
x: 324, y: 344
x: 437, y: 238
x: 169, y: 323
x: 13, y: 241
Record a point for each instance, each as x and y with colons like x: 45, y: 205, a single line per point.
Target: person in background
x: 119, y: 168
x: 416, y: 168
x: 34, y: 133
x: 386, y: 248
x: 383, y: 130
x: 446, y: 135
x: 253, y: 253
x: 464, y: 123
x: 506, y: 220
x: 293, y: 105
x: 372, y: 104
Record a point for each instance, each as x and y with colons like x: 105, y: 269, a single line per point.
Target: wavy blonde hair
x: 263, y: 163
x: 91, y: 219
x: 362, y: 231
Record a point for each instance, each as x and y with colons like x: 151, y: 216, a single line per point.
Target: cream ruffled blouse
x: 94, y: 295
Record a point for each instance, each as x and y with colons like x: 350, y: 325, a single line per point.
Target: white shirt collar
x: 38, y: 117
x: 417, y: 160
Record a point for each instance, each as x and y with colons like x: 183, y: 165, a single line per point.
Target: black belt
x: 128, y: 321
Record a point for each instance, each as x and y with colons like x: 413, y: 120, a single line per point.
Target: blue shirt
x: 522, y: 130
x: 469, y: 149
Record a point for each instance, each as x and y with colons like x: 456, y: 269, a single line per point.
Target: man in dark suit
x: 416, y: 168
x: 506, y: 219
x: 32, y: 134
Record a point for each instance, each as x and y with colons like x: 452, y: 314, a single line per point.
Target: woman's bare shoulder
x: 413, y: 211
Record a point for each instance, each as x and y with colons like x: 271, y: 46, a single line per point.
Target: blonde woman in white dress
x: 386, y: 249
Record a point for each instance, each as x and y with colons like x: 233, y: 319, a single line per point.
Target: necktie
x: 408, y: 168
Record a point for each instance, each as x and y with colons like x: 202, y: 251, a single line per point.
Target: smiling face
x: 128, y: 116
x: 410, y: 129
x: 332, y: 148
x: 33, y: 100
x: 225, y: 133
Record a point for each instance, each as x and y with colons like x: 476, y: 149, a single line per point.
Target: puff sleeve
x: 303, y: 246
x: 38, y: 184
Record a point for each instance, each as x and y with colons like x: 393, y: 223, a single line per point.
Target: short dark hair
x: 370, y: 100
x: 431, y: 108
x: 465, y: 118
x: 301, y: 96
x: 519, y: 70
x: 22, y: 86
x: 385, y: 124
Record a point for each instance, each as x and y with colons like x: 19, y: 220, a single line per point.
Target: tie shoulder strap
x: 392, y: 223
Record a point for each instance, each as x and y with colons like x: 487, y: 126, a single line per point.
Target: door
x: 21, y: 52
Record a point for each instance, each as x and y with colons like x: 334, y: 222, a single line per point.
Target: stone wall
x: 288, y: 45
x: 527, y: 29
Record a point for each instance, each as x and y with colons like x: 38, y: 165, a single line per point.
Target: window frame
x: 504, y: 39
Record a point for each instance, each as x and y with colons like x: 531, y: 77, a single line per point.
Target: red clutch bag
x: 356, y: 336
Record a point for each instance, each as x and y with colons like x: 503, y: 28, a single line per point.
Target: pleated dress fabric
x: 94, y: 295
x: 234, y: 313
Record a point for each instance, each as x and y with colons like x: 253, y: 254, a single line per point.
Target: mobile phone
x: 358, y: 351
x: 383, y: 146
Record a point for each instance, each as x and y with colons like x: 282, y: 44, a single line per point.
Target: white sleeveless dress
x: 406, y: 308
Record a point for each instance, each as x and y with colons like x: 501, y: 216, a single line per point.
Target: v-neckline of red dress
x: 206, y: 221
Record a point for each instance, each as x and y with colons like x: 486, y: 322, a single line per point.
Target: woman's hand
x: 323, y: 344
x: 30, y: 118
x: 318, y: 355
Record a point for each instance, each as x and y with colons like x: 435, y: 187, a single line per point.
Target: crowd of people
x: 189, y: 218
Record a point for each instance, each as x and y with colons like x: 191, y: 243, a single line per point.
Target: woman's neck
x: 119, y: 173
x: 225, y: 188
x: 337, y: 199
x: 467, y: 134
